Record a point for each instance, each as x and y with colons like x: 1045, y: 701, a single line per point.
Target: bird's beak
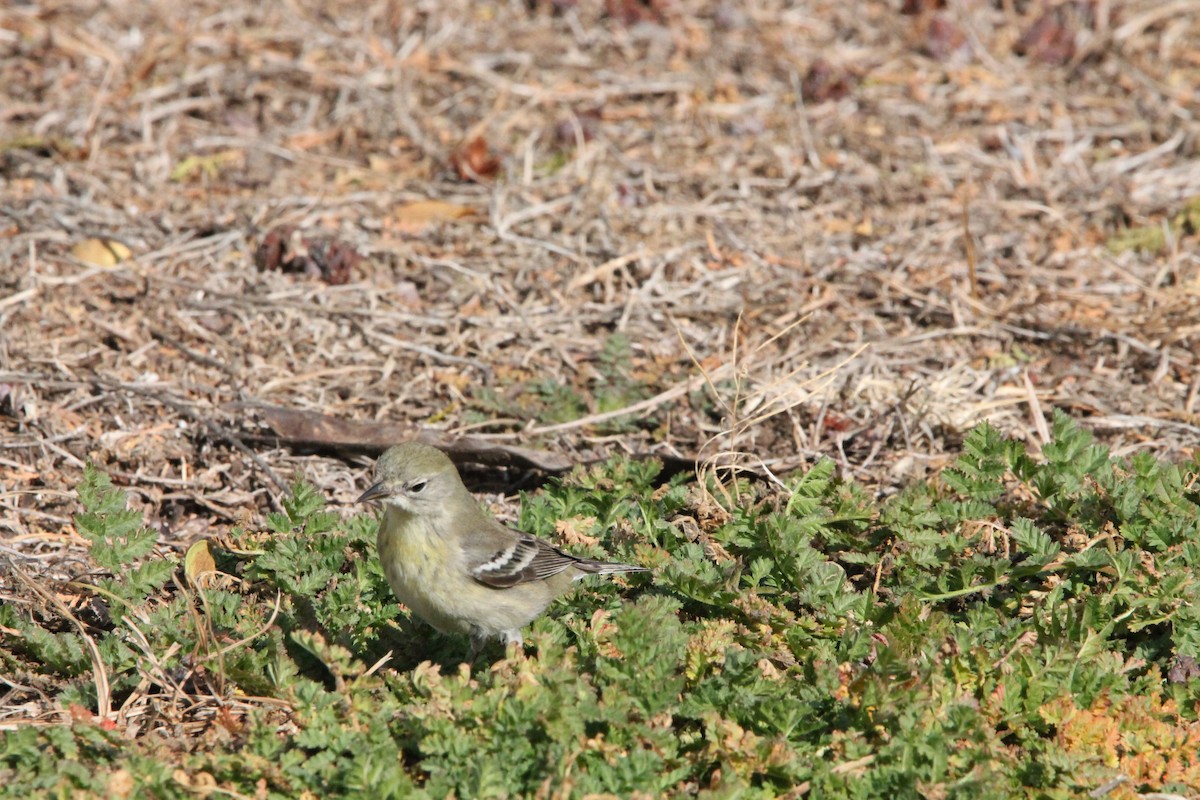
x: 376, y: 491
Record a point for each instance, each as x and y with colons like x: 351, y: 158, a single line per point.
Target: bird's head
x: 413, y: 476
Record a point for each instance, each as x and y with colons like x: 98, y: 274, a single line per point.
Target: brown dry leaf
x: 417, y: 216
x: 569, y: 531
x: 862, y: 227
x: 602, y: 631
x: 633, y: 12
x: 914, y: 7
x: 474, y: 161
x: 824, y: 81
x: 18, y: 474
x: 310, y: 140
x: 944, y: 39
x: 456, y: 380
x: 389, y: 166
x: 472, y: 308
x: 1050, y: 40
x: 101, y: 252
x: 120, y: 784
x: 319, y: 256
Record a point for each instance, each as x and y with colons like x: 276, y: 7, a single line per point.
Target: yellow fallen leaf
x: 100, y: 252
x: 208, y: 165
x: 420, y: 214
x: 198, y: 562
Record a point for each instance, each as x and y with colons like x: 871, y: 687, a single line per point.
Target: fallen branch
x: 309, y: 429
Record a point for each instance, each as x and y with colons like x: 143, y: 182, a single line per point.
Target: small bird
x: 455, y: 565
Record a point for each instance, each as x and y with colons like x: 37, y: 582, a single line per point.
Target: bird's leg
x: 477, y: 645
x: 513, y: 643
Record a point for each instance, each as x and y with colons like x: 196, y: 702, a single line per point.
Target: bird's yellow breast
x: 427, y: 572
x: 420, y: 566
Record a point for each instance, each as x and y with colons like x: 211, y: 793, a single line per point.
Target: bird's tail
x: 587, y: 566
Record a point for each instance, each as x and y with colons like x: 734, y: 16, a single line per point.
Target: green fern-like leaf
x: 118, y: 540
x: 987, y: 457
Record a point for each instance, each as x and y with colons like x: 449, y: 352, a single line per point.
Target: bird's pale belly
x: 428, y: 576
x: 417, y: 568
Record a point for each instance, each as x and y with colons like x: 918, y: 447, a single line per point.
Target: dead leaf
x: 120, y: 784
x: 417, y: 216
x: 1050, y: 40
x: 198, y: 562
x: 319, y: 256
x: 312, y: 429
x: 311, y: 140
x: 101, y: 252
x: 944, y: 39
x: 824, y: 82
x: 633, y: 12
x: 474, y: 161
x: 206, y: 165
x: 455, y: 380
x: 915, y: 7
x: 570, y: 531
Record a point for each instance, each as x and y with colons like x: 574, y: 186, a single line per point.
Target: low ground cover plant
x: 1022, y: 626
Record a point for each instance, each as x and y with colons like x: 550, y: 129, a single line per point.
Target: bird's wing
x: 506, y: 557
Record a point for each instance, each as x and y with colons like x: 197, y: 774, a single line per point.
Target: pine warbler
x: 453, y: 564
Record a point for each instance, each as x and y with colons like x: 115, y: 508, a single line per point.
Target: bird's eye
x: 416, y: 487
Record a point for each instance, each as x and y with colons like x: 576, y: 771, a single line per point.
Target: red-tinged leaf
x: 824, y: 81
x: 474, y: 161
x: 914, y: 8
x: 1050, y: 40
x: 943, y: 38
x: 632, y: 12
x: 326, y: 257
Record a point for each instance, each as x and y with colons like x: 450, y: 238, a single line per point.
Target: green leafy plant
x: 1021, y: 627
x: 118, y: 540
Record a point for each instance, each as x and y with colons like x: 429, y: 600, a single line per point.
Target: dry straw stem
x: 751, y: 402
x: 104, y: 708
